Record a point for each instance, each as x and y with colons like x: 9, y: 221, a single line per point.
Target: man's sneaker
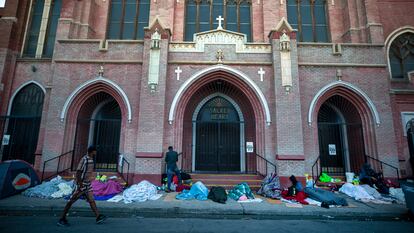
x: 100, y: 219
x: 63, y: 222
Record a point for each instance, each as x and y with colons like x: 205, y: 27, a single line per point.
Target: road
x: 118, y: 225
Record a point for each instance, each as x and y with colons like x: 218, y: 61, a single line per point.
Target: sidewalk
x: 168, y: 206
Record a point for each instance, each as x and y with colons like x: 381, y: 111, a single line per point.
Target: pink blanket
x: 106, y: 188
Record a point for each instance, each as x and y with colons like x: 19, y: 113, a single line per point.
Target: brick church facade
x: 235, y: 86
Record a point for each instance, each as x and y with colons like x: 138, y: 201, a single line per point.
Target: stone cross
x: 219, y: 19
x: 178, y: 71
x: 261, y: 72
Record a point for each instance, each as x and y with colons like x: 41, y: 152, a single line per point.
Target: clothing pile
x: 140, y: 192
x: 104, y: 190
x: 242, y: 193
x: 326, y: 198
x: 270, y: 187
x: 364, y: 193
x: 198, y: 191
x: 53, y: 189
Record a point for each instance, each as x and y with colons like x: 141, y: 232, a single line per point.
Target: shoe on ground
x: 63, y: 222
x: 100, y: 219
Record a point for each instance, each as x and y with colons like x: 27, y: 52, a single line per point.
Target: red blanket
x: 299, y: 197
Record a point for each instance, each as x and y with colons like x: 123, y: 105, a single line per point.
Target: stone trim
x: 224, y: 62
x: 291, y: 157
x: 98, y: 61
x: 20, y: 88
x: 149, y: 155
x: 342, y: 64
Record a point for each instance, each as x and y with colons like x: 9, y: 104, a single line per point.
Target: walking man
x: 83, y: 187
x: 171, y: 158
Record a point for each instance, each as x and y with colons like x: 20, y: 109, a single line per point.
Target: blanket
x: 299, y: 197
x: 106, y: 188
x: 198, y: 191
x: 141, y: 192
x: 240, y: 190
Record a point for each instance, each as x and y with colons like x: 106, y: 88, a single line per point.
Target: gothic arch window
x: 201, y: 16
x: 310, y: 19
x: 127, y: 19
x: 35, y: 22
x: 401, y: 56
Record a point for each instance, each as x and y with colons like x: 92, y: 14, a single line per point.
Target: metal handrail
x: 318, y: 170
x: 59, y: 158
x: 266, y: 166
x: 383, y: 163
x: 122, y: 170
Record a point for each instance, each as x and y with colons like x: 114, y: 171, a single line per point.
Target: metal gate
x: 217, y: 137
x: 217, y: 146
x: 341, y: 147
x: 105, y: 136
x: 19, y: 137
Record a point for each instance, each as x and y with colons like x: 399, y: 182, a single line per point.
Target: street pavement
x: 45, y: 224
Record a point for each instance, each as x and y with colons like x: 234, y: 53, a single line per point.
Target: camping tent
x: 15, y: 177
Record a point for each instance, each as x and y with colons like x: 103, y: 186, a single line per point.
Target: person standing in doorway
x: 83, y: 187
x: 171, y: 158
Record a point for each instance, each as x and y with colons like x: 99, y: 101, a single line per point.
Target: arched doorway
x: 99, y: 124
x: 340, y: 134
x: 21, y: 126
x: 218, y: 136
x: 218, y: 121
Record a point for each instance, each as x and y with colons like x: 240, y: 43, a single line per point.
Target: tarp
x: 15, y: 177
x: 326, y: 197
x: 270, y: 187
x: 198, y: 191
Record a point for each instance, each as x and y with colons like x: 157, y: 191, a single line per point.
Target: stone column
x: 151, y: 119
x: 288, y: 118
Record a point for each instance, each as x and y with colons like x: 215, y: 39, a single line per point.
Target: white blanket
x: 141, y: 192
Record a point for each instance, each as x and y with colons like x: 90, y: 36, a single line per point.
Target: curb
x: 177, y: 212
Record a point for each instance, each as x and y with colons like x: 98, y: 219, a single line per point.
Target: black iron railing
x: 121, y: 170
x: 64, y: 163
x: 316, y: 169
x: 263, y: 166
x: 379, y: 165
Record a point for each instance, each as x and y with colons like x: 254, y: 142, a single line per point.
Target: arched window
x: 201, y: 16
x: 127, y: 19
x: 401, y: 56
x: 310, y: 19
x: 32, y: 43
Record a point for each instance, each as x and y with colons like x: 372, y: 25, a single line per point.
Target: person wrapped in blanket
x: 83, y: 187
x: 295, y: 191
x: 374, y: 179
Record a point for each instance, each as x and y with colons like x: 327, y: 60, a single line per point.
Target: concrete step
x: 228, y: 181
